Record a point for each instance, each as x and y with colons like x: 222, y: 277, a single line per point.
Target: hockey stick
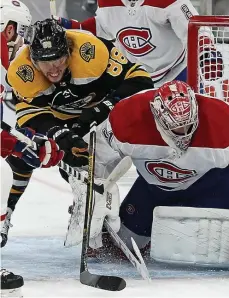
x: 68, y: 169
x: 140, y: 266
x: 109, y: 283
x: 52, y: 4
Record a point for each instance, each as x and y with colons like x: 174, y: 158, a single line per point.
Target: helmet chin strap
x: 14, y: 46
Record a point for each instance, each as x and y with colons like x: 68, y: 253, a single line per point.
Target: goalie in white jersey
x: 179, y: 144
x: 152, y: 33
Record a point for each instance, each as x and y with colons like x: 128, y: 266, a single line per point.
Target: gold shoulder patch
x: 87, y: 51
x: 25, y: 72
x: 24, y: 78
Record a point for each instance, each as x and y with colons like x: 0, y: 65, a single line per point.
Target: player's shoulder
x: 89, y: 54
x: 213, y: 122
x: 132, y: 120
x: 24, y: 78
x: 213, y: 107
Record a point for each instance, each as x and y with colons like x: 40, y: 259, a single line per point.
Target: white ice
x: 35, y: 250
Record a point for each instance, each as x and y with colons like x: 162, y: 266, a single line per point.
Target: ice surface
x: 35, y: 250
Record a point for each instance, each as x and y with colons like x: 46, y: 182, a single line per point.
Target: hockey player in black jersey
x: 63, y: 81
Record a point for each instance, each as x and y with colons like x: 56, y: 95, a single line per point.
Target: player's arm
x: 46, y: 153
x: 35, y: 113
x: 98, y: 25
x: 123, y: 77
x: 178, y: 13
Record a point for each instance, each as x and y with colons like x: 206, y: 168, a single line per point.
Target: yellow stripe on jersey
x: 25, y: 112
x: 23, y: 175
x: 62, y: 116
x: 14, y: 191
x: 136, y: 71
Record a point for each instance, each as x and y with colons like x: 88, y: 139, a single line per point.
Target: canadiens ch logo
x: 167, y: 172
x: 136, y: 40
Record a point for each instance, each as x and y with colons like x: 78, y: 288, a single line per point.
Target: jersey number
x: 115, y: 63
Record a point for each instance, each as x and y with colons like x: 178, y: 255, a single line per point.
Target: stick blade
x: 109, y: 283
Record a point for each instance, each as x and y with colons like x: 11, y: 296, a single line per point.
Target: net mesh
x: 213, y: 74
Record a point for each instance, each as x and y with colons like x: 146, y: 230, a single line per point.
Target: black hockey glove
x: 98, y: 113
x: 76, y: 150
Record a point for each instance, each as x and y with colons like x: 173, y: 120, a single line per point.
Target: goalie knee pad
x: 198, y: 236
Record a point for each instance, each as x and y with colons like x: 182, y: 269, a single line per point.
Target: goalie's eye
x: 170, y: 97
x: 182, y: 94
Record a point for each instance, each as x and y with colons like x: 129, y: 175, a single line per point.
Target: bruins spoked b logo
x: 26, y: 73
x: 87, y: 51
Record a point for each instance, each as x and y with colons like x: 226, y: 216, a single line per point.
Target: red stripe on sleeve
x: 158, y: 3
x: 89, y: 25
x: 109, y: 3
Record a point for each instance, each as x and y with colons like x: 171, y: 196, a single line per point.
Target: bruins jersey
x: 95, y: 69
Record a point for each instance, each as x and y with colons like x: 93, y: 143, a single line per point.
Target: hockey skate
x: 5, y: 228
x: 11, y: 284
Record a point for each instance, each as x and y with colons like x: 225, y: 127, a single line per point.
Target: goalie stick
x: 139, y: 265
x: 109, y: 283
x: 52, y: 4
x: 80, y: 175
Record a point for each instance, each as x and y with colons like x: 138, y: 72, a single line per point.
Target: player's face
x: 181, y: 130
x: 53, y: 70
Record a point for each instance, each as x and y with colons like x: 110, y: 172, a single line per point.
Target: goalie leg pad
x: 184, y: 235
x: 106, y: 205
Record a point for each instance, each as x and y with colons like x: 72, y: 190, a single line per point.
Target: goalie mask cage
x: 197, y: 77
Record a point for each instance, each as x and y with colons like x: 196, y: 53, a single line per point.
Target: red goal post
x: 219, y: 27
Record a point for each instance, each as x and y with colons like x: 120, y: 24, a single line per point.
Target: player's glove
x: 211, y: 63
x: 66, y: 23
x: 76, y: 150
x: 46, y: 154
x: 98, y: 113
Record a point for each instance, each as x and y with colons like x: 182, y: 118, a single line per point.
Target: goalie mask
x: 175, y: 111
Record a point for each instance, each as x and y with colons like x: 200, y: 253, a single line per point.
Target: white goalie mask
x: 175, y: 111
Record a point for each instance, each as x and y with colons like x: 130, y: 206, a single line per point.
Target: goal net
x: 210, y: 79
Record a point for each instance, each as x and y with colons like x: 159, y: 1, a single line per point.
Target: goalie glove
x: 106, y: 205
x: 211, y: 63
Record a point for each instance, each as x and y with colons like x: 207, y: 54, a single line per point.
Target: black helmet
x: 49, y: 42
